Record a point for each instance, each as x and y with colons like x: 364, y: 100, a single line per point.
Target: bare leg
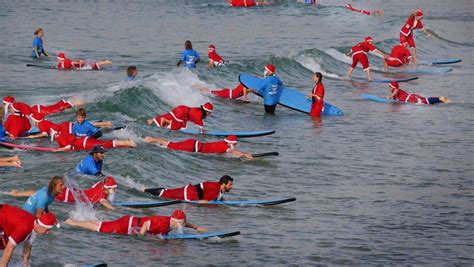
x: 443, y: 99
x: 89, y: 225
x: 203, y: 89
x: 103, y: 124
x: 349, y: 73
x: 368, y: 75
x: 385, y: 65
x: 153, y: 140
x: 25, y: 193
x: 8, y: 159
x: 104, y: 62
x: 13, y: 161
x: 77, y: 102
x: 414, y: 54
x: 125, y: 143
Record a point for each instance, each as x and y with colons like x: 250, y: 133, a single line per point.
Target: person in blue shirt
x: 92, y: 164
x: 189, y: 56
x: 38, y: 48
x: 38, y: 203
x: 270, y: 89
x: 132, y: 73
x: 85, y: 128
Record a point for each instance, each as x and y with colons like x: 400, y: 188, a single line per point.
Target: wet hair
x: 131, y: 70
x: 188, y: 45
x: 38, y: 30
x: 225, y: 179
x: 81, y: 112
x: 52, y: 183
x: 320, y: 76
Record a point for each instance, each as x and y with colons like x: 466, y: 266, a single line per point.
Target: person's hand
x: 201, y: 229
x: 203, y: 201
x: 150, y: 121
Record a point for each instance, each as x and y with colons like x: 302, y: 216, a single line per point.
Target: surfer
x: 46, y: 109
x: 317, y: 95
x: 132, y: 73
x: 17, y: 123
x: 204, y: 192
x: 403, y: 96
x: 100, y: 193
x: 359, y: 54
x: 16, y: 226
x: 400, y: 56
x: 178, y: 118
x: 239, y: 91
x: 270, y: 89
x: 246, y: 3
x: 85, y: 128
x: 38, y: 48
x: 214, y: 59
x: 406, y: 32
x: 189, y: 56
x: 38, y: 203
x: 92, y: 164
x: 131, y: 225
x: 192, y: 145
x: 366, y: 12
x: 48, y: 128
x: 67, y: 141
x: 65, y: 63
x: 13, y: 161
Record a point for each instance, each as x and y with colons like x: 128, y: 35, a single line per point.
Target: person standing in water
x: 38, y: 48
x: 189, y: 56
x: 317, y: 95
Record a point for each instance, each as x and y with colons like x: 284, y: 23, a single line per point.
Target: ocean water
x: 382, y: 185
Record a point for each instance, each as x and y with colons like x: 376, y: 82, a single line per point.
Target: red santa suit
x: 403, y: 96
x: 82, y: 143
x: 359, y: 54
x: 203, y: 191
x: 243, y: 3
x: 317, y: 105
x: 180, y: 116
x: 159, y: 225
x: 215, y: 59
x: 406, y: 32
x: 130, y: 225
x: 232, y: 94
x: 51, y: 109
x: 399, y: 56
x: 192, y: 145
x: 16, y: 225
x: 95, y: 194
x: 17, y: 124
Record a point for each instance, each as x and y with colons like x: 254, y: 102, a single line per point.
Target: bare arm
x: 195, y: 227
x: 7, y: 254
x: 144, y: 228
x: 392, y: 96
x: 26, y: 253
x: 39, y: 212
x: 40, y: 135
x: 241, y: 154
x: 107, y: 204
x: 25, y: 193
x: 103, y: 124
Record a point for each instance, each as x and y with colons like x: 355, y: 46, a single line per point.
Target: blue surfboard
x: 443, y: 61
x: 224, y: 133
x: 201, y: 235
x: 245, y: 202
x: 389, y: 80
x: 151, y: 204
x: 290, y: 98
x: 378, y: 98
x: 42, y: 66
x: 428, y: 70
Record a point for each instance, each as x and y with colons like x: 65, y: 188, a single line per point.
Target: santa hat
x: 394, y: 85
x: 110, y: 182
x: 231, y: 139
x: 37, y: 117
x: 61, y: 56
x: 419, y: 13
x: 178, y: 215
x: 368, y: 39
x: 8, y: 100
x: 270, y: 68
x: 21, y: 108
x: 48, y: 220
x: 208, y: 107
x: 212, y: 46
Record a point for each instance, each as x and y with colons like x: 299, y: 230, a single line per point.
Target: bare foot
x: 132, y: 143
x: 150, y: 121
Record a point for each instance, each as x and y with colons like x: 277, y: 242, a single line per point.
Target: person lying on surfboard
x: 246, y: 3
x: 214, y: 59
x: 400, y: 56
x: 100, y: 193
x: 359, y: 54
x: 192, y: 145
x: 317, y: 95
x: 85, y: 128
x: 13, y: 161
x: 366, y: 12
x: 204, y: 192
x: 178, y: 118
x: 67, y: 141
x: 403, y: 96
x: 17, y: 123
x: 131, y: 225
x: 46, y: 109
x: 406, y: 32
x: 239, y: 91
x: 65, y: 63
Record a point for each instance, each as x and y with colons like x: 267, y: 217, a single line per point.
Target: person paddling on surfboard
x: 38, y: 48
x: 406, y: 32
x: 13, y: 161
x: 246, y: 3
x: 402, y: 96
x: 192, y: 145
x: 270, y: 89
x: 400, y: 56
x: 178, y: 118
x: 365, y: 12
x: 214, y: 59
x: 47, y: 109
x: 317, y: 95
x: 203, y: 192
x: 100, y: 193
x: 85, y: 128
x: 132, y: 73
x: 92, y: 164
x: 38, y: 203
x: 239, y: 91
x: 17, y: 123
x: 132, y: 225
x: 359, y: 54
x: 67, y: 141
x: 189, y: 57
x: 48, y: 128
x: 65, y: 63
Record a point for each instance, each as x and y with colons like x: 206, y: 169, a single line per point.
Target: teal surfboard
x: 200, y: 236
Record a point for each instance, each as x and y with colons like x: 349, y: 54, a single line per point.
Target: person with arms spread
x: 359, y: 54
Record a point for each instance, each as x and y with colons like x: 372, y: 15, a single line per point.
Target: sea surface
x: 385, y: 184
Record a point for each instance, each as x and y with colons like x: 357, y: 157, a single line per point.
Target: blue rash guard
x: 2, y: 133
x: 270, y: 89
x: 84, y: 129
x: 131, y: 78
x: 39, y: 200
x: 38, y: 44
x: 89, y: 166
x: 190, y: 58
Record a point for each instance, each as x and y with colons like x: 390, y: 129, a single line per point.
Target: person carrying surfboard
x: 270, y: 89
x: 67, y: 141
x: 204, y: 192
x: 400, y: 56
x: 403, y: 96
x: 317, y: 95
x: 226, y: 146
x: 65, y: 63
x: 406, y: 32
x: 38, y: 48
x: 132, y: 225
x: 214, y: 59
x: 17, y: 226
x: 359, y: 54
x: 178, y: 118
x: 189, y: 57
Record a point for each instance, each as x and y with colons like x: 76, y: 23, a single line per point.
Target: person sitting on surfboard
x: 366, y: 12
x: 47, y: 109
x: 132, y: 73
x: 100, y: 193
x: 214, y: 59
x: 13, y: 161
x: 38, y: 48
x: 178, y: 118
x: 67, y: 141
x: 270, y: 89
x: 317, y: 95
x: 17, y: 123
x: 189, y: 57
x: 85, y: 128
x: 402, y: 96
x: 400, y: 56
x: 406, y: 32
x: 131, y: 225
x: 65, y: 63
x: 204, y: 192
x: 92, y: 164
x: 359, y: 54
x: 192, y: 145
x: 246, y: 3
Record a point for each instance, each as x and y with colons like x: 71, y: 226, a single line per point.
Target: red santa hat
x: 178, y: 215
x: 8, y: 100
x: 212, y: 46
x: 61, y: 56
x: 270, y: 68
x: 231, y: 139
x: 208, y: 107
x: 394, y: 85
x: 419, y: 13
x: 21, y: 108
x: 37, y: 117
x: 368, y: 39
x: 48, y: 220
x: 110, y: 182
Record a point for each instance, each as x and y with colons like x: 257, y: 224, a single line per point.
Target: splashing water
x: 83, y: 208
x: 313, y: 65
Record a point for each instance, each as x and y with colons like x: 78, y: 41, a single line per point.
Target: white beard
x: 111, y: 197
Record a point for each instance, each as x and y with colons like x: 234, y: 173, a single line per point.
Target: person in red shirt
x: 246, y: 3
x: 406, y: 32
x: 365, y: 12
x: 317, y: 95
x: 204, y: 192
x: 359, y: 54
x: 239, y: 91
x: 402, y: 96
x: 399, y: 57
x: 192, y: 145
x: 65, y: 63
x: 16, y: 226
x: 17, y: 123
x: 214, y: 59
x: 47, y: 109
x: 131, y: 225
x: 48, y: 128
x: 178, y: 118
x: 67, y: 141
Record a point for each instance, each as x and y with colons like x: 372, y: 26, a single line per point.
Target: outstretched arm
x: 107, y: 204
x: 26, y: 253
x: 240, y: 154
x: 195, y: 227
